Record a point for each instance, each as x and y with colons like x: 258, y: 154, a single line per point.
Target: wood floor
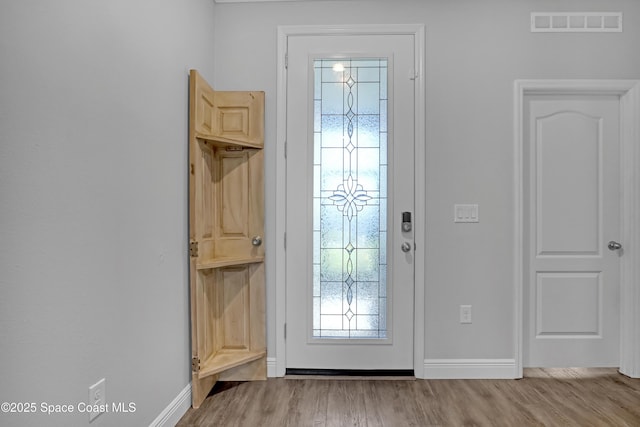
x: 545, y: 397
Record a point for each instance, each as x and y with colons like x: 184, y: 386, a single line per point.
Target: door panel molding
x: 628, y: 92
x: 284, y: 32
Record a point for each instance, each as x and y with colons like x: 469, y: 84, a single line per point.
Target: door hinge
x: 193, y: 249
x: 285, y: 149
x: 285, y: 331
x: 195, y: 364
x: 285, y: 241
x: 286, y: 60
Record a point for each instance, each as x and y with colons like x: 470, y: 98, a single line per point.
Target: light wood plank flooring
x: 545, y: 397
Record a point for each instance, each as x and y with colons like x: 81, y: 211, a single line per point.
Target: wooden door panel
x: 204, y: 205
x: 234, y: 117
x: 234, y: 308
x: 241, y: 204
x: 234, y: 197
x: 239, y: 117
x: 226, y: 227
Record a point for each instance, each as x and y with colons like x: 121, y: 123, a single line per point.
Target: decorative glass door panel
x: 350, y: 198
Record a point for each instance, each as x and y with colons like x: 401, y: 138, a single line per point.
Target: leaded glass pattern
x: 350, y: 198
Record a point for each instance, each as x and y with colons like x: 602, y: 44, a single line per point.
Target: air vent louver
x: 576, y: 22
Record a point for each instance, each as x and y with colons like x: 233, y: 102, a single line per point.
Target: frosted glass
x: 369, y: 130
x: 383, y: 317
x: 383, y: 148
x: 368, y: 290
x: 317, y: 82
x: 316, y: 280
x: 328, y: 321
x: 331, y: 298
x: 370, y: 74
x: 316, y: 313
x: 368, y: 264
x: 367, y: 322
x: 331, y: 175
x: 317, y: 117
x: 369, y: 168
x: 332, y: 125
x: 330, y: 227
x: 368, y: 228
x: 368, y: 98
x: 332, y: 102
x: 330, y: 265
x: 350, y: 205
x: 328, y: 74
x: 316, y: 182
x: 316, y: 247
x: 333, y: 333
x: 371, y: 62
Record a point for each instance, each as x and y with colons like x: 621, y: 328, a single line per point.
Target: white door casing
x: 627, y: 93
x: 417, y: 32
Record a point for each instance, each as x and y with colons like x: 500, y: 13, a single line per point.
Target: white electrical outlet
x: 97, y: 399
x: 465, y: 314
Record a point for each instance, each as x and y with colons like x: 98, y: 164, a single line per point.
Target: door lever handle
x: 614, y: 246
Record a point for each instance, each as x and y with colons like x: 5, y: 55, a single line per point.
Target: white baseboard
x: 469, y: 368
x: 175, y: 410
x: 271, y: 367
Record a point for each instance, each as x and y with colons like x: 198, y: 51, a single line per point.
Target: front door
x: 572, y: 205
x: 350, y: 202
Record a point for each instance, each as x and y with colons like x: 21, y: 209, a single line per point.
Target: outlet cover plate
x: 465, y: 314
x: 97, y: 399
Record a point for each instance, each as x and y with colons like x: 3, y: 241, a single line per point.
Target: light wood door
x: 226, y: 228
x: 350, y: 176
x: 572, y: 144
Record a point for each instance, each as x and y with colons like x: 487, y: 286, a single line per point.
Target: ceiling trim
x: 258, y: 1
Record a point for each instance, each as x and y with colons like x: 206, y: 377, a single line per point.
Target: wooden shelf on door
x: 221, y: 142
x: 227, y: 359
x: 227, y: 262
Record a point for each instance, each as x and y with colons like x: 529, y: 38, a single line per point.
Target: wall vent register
x: 576, y: 22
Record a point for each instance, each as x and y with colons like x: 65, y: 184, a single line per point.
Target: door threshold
x: 350, y: 374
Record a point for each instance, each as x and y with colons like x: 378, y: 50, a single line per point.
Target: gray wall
x: 474, y: 52
x: 93, y: 201
x: 93, y: 174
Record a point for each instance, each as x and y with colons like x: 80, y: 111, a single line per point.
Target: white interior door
x: 572, y: 207
x: 350, y: 176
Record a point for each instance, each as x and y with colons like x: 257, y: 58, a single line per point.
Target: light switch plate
x: 465, y: 213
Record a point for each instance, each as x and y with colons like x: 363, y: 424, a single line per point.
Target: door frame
x: 629, y: 93
x: 284, y: 32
